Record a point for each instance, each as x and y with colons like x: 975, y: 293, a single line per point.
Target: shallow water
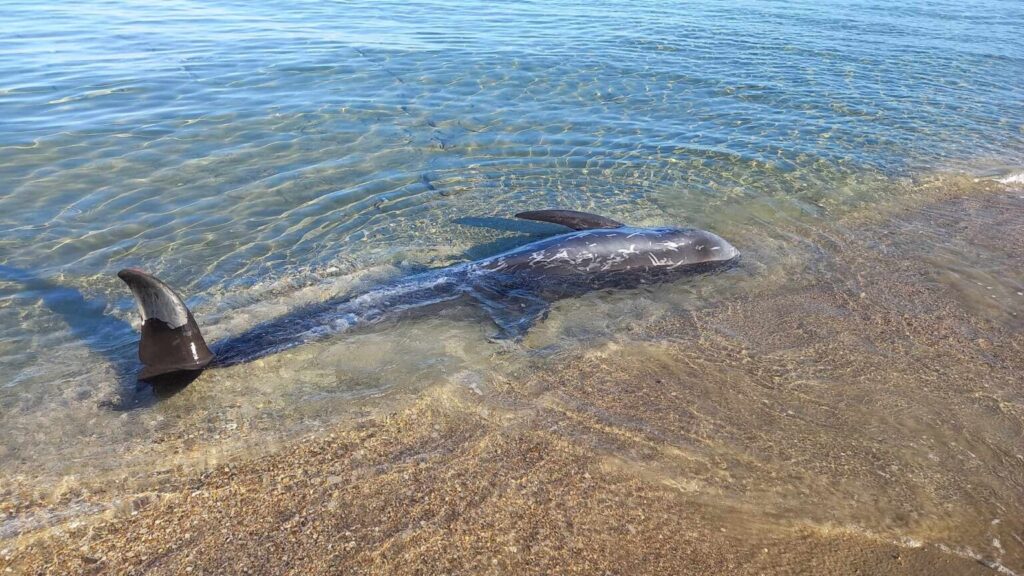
x: 260, y: 157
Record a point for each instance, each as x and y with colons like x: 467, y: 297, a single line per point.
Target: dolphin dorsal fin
x: 571, y: 219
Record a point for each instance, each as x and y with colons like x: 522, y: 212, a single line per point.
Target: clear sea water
x: 261, y: 155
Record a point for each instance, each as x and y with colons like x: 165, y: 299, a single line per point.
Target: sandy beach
x: 866, y: 422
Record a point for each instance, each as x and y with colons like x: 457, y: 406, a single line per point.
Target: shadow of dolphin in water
x: 527, y: 232
x: 510, y: 225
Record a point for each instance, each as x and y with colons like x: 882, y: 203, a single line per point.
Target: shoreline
x: 821, y: 427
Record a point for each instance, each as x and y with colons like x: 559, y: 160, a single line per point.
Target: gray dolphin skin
x: 515, y: 288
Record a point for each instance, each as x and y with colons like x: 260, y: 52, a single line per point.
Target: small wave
x: 24, y: 523
x: 1014, y: 178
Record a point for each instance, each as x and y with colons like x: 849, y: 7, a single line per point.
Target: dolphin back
x: 514, y: 288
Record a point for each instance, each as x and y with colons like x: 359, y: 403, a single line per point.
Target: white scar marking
x: 677, y: 264
x: 659, y: 262
x: 632, y: 250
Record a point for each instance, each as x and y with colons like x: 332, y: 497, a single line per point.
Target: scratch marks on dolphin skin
x: 661, y: 261
x: 674, y: 246
x: 537, y: 257
x: 619, y: 250
x: 499, y: 265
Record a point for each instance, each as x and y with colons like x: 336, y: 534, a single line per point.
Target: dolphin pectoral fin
x: 513, y: 311
x: 571, y: 219
x: 171, y: 342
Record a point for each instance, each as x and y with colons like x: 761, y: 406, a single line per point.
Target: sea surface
x: 258, y: 156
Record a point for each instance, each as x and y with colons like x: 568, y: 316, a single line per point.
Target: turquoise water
x: 258, y: 156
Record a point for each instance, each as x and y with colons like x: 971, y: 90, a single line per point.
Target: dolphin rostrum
x: 515, y: 288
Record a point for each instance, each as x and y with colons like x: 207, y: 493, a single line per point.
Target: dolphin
x: 515, y: 288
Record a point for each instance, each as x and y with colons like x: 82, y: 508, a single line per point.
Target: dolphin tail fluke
x: 171, y: 342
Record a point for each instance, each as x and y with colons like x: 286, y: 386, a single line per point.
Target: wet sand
x: 868, y: 421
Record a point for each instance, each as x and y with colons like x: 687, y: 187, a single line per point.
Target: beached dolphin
x: 515, y: 288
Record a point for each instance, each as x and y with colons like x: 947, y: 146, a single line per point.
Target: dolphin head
x: 692, y: 246
x: 625, y: 249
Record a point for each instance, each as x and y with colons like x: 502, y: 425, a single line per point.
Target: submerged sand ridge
x: 859, y: 411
